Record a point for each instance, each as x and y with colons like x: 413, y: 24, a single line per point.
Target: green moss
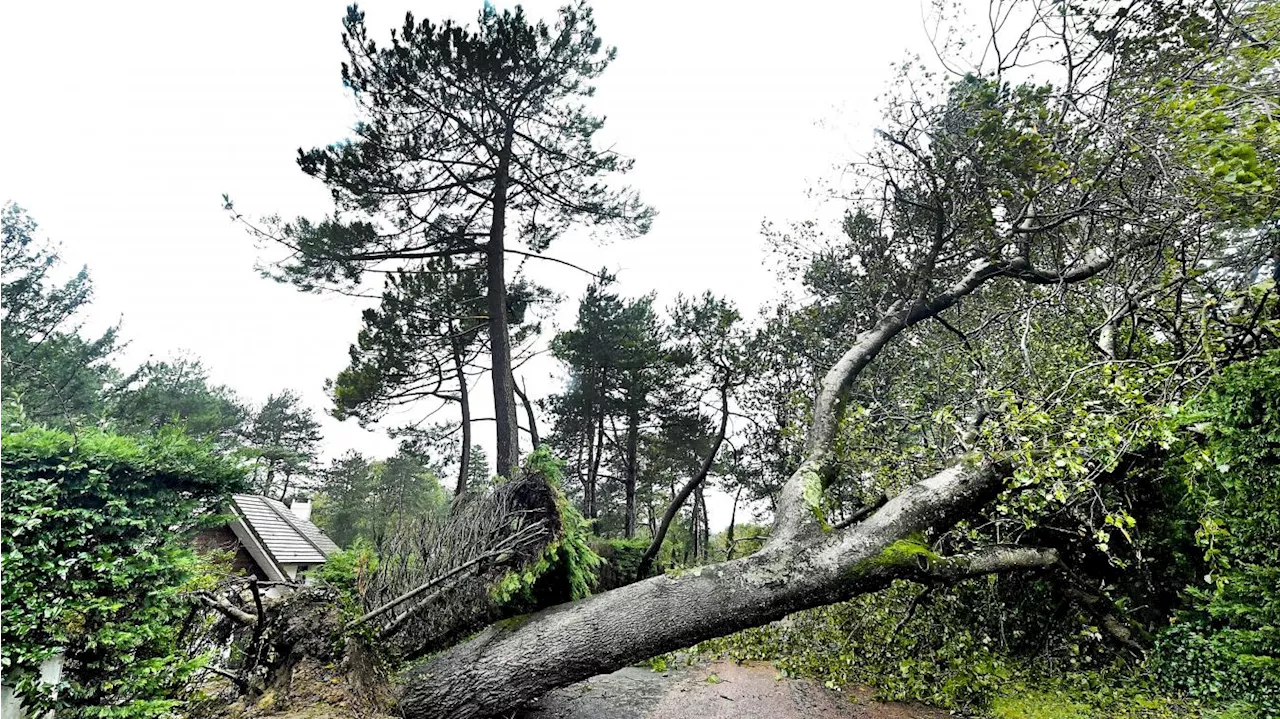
x: 510, y: 624
x: 813, y: 489
x: 907, y: 551
x: 811, y: 482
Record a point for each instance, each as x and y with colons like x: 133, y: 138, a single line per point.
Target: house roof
x: 288, y: 538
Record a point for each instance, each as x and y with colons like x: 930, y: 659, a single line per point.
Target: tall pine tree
x: 475, y: 142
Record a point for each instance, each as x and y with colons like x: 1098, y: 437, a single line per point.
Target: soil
x: 715, y: 690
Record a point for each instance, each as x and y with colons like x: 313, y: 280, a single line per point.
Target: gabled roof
x: 286, y: 537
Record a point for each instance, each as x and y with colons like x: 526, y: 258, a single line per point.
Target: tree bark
x: 512, y: 663
x: 705, y: 544
x: 593, y: 473
x: 691, y: 553
x: 585, y: 470
x: 633, y: 450
x: 464, y: 403
x: 733, y: 519
x: 534, y: 440
x: 504, y: 401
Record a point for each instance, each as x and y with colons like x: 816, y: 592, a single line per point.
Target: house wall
x: 50, y: 673
x: 222, y: 539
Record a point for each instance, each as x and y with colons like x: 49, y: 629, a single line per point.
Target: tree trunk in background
x: 594, y: 472
x: 633, y: 450
x: 694, y: 530
x: 586, y: 471
x: 464, y: 401
x: 706, y: 522
x: 580, y: 468
x: 733, y: 519
x: 504, y: 396
x: 534, y: 439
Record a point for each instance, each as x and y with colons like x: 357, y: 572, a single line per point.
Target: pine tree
x: 474, y: 140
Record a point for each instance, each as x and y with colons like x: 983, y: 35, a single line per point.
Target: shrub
x: 934, y: 657
x: 619, y: 561
x: 95, y: 554
x: 1085, y: 695
x: 1225, y: 644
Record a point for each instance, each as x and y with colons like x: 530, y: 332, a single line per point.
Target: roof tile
x: 288, y: 538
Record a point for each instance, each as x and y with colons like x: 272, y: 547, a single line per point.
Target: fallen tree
x: 511, y: 663
x: 998, y: 187
x: 801, y: 566
x: 999, y: 184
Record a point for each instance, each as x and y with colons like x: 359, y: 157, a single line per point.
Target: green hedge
x: 1225, y: 645
x: 96, y: 549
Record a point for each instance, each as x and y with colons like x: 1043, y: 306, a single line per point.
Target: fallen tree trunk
x: 806, y: 563
x: 515, y: 661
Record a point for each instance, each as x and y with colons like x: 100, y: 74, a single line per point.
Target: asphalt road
x: 716, y: 690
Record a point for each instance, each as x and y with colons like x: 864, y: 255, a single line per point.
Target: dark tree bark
x: 632, y: 462
x: 694, y: 534
x: 733, y: 520
x: 593, y: 473
x: 504, y: 398
x: 534, y: 440
x: 464, y: 404
x: 705, y: 543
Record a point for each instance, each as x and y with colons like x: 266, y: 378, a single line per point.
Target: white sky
x: 124, y: 123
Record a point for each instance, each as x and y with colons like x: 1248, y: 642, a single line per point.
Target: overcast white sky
x: 124, y: 123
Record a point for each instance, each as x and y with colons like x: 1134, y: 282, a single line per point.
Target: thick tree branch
x: 800, y: 498
x: 988, y: 560
x: 236, y: 679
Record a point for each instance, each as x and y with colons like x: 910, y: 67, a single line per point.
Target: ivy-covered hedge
x: 96, y: 550
x: 1225, y: 644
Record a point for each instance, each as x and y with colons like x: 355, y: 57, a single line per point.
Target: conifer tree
x: 475, y: 143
